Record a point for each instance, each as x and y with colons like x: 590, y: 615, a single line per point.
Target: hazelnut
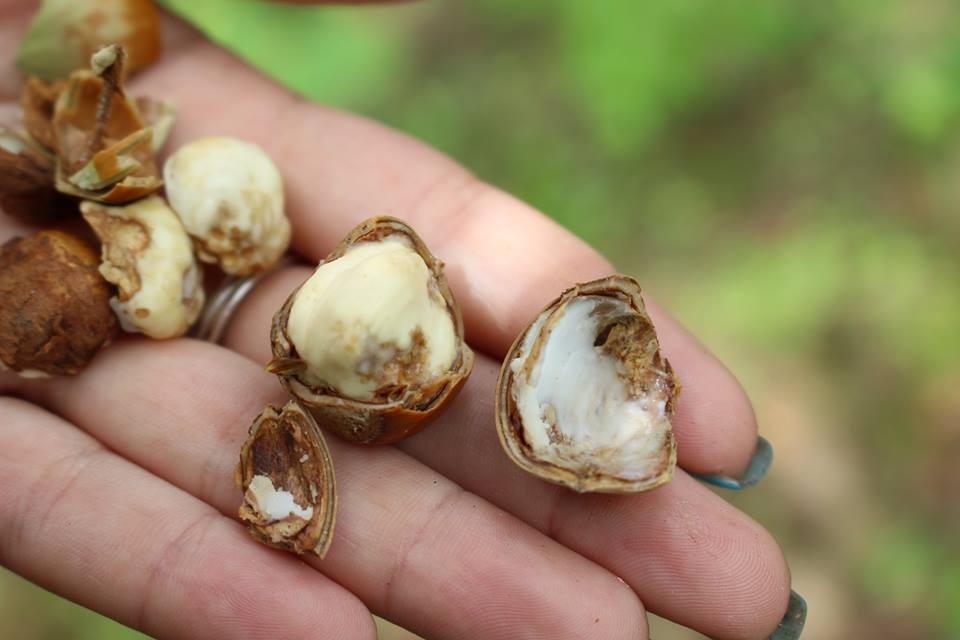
x: 229, y: 195
x: 54, y: 306
x: 64, y: 34
x: 372, y: 343
x: 584, y: 398
x: 148, y: 255
x: 285, y: 472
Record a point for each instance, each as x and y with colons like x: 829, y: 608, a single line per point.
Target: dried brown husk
x: 159, y: 115
x: 374, y: 422
x: 65, y: 33
x: 37, y: 101
x: 26, y: 181
x: 56, y: 313
x: 646, y: 361
x: 286, y: 446
x: 121, y: 166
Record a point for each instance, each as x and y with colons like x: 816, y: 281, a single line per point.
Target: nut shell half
x: 584, y: 398
x: 400, y: 414
x: 285, y: 471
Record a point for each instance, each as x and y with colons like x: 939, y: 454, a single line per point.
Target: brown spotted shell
x: 286, y: 446
x: 365, y: 422
x: 510, y: 427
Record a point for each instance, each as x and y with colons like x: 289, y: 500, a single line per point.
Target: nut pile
x: 85, y: 140
x: 371, y: 346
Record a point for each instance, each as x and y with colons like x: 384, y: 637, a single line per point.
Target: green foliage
x: 784, y: 174
x: 336, y: 54
x: 637, y: 66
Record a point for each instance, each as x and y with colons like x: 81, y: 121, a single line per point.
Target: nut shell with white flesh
x: 584, y: 397
x: 285, y: 472
x: 372, y: 343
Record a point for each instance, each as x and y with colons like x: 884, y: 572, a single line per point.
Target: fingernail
x: 759, y: 464
x: 792, y: 624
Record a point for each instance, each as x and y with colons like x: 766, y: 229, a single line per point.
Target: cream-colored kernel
x: 170, y: 293
x: 356, y: 313
x: 229, y: 196
x: 275, y: 504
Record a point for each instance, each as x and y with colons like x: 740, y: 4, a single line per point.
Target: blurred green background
x: 784, y: 176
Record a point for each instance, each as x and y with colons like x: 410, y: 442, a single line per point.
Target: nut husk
x: 26, y: 181
x: 398, y: 410
x: 105, y: 149
x: 37, y: 101
x: 54, y: 306
x: 584, y: 398
x: 285, y: 457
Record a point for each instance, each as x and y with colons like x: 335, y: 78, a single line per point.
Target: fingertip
x: 715, y: 424
x: 760, y: 591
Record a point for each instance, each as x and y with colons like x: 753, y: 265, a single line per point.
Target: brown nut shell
x: 618, y: 332
x: 37, y: 100
x: 286, y: 453
x: 26, y: 181
x: 54, y: 305
x: 401, y: 414
x: 65, y: 33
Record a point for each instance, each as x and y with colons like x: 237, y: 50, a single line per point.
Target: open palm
x: 117, y: 485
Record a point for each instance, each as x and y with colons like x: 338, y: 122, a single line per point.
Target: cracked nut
x: 55, y: 313
x: 229, y: 195
x: 372, y: 343
x: 585, y: 399
x: 285, y: 472
x: 105, y: 148
x: 147, y: 254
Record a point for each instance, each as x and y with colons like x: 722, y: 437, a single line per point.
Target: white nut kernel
x: 147, y: 254
x: 229, y: 196
x: 368, y: 313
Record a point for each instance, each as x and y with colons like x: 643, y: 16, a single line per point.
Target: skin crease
x: 479, y: 539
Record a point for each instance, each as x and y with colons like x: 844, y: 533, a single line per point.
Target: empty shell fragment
x: 585, y: 398
x: 285, y: 471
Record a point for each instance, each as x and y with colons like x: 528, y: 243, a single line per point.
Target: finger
x: 689, y: 555
x: 504, y: 260
x: 411, y: 544
x: 81, y: 521
x: 249, y: 330
x: 340, y: 169
x: 682, y: 575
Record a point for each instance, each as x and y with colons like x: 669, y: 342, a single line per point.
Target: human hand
x: 117, y: 484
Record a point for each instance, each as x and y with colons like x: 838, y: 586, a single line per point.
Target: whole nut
x: 584, y: 398
x: 65, y: 33
x: 372, y: 343
x: 148, y: 255
x: 285, y: 472
x: 54, y: 306
x: 229, y: 195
